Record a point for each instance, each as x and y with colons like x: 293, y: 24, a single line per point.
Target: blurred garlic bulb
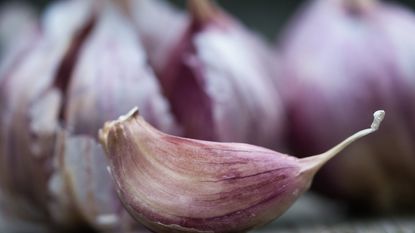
x: 174, y: 184
x: 30, y: 107
x: 343, y: 59
x: 218, y: 82
x: 52, y: 102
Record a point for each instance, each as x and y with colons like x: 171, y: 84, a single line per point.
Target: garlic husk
x: 160, y: 26
x: 218, y: 83
x: 342, y: 60
x: 174, y: 184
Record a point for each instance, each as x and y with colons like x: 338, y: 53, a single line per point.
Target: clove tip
x: 378, y: 117
x: 103, y: 132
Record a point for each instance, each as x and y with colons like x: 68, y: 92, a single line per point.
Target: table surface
x: 310, y: 214
x: 313, y: 214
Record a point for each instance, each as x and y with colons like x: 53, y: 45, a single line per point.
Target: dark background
x: 265, y: 16
x: 269, y: 16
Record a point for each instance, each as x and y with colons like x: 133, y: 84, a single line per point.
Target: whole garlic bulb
x: 53, y: 101
x: 218, y: 81
x: 342, y: 60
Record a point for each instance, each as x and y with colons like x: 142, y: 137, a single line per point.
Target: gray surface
x: 312, y: 214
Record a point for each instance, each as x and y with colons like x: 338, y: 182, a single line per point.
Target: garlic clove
x: 174, y: 184
x: 217, y: 81
x: 112, y: 76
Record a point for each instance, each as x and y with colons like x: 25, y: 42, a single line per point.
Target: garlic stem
x: 314, y: 163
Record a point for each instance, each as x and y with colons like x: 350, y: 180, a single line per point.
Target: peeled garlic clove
x: 160, y: 26
x: 342, y: 60
x: 112, y: 76
x: 174, y: 184
x: 218, y: 83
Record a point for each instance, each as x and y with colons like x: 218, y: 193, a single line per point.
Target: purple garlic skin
x: 54, y: 95
x: 218, y: 81
x: 342, y: 60
x: 174, y: 184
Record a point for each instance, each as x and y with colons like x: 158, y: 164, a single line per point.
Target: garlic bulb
x: 218, y: 81
x: 174, y: 184
x: 53, y: 101
x: 30, y: 108
x: 343, y: 59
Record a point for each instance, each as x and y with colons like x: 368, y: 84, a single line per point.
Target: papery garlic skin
x: 218, y: 83
x: 174, y: 184
x: 343, y: 59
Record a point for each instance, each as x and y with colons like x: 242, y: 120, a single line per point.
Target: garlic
x: 218, y: 81
x: 29, y: 106
x: 53, y: 99
x: 342, y: 60
x: 174, y: 184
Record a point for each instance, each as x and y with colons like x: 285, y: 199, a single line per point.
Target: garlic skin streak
x: 174, y: 184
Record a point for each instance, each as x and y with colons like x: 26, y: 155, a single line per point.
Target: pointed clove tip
x: 103, y: 132
x: 378, y: 117
x: 131, y: 114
